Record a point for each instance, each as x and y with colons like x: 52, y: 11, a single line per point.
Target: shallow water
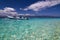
x: 32, y: 29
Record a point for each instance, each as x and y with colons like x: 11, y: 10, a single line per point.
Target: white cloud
x: 42, y: 5
x: 8, y: 11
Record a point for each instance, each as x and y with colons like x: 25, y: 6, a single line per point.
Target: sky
x: 37, y: 7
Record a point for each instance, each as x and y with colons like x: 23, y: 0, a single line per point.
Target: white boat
x: 11, y: 17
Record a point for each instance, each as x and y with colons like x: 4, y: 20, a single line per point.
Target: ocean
x: 32, y: 29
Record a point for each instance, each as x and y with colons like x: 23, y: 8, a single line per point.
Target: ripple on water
x: 33, y: 29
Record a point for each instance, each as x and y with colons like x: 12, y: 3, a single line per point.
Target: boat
x: 10, y: 17
x: 20, y: 18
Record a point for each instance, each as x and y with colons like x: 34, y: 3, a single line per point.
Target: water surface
x: 32, y: 29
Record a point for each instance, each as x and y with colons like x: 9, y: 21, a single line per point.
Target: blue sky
x: 38, y: 7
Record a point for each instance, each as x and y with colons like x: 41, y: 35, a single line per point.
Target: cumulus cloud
x: 42, y: 5
x: 8, y: 11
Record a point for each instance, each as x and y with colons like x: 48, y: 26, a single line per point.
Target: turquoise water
x: 32, y: 29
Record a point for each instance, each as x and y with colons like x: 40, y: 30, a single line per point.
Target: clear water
x: 32, y: 29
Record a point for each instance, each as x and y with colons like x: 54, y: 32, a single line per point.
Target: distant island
x: 26, y: 16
